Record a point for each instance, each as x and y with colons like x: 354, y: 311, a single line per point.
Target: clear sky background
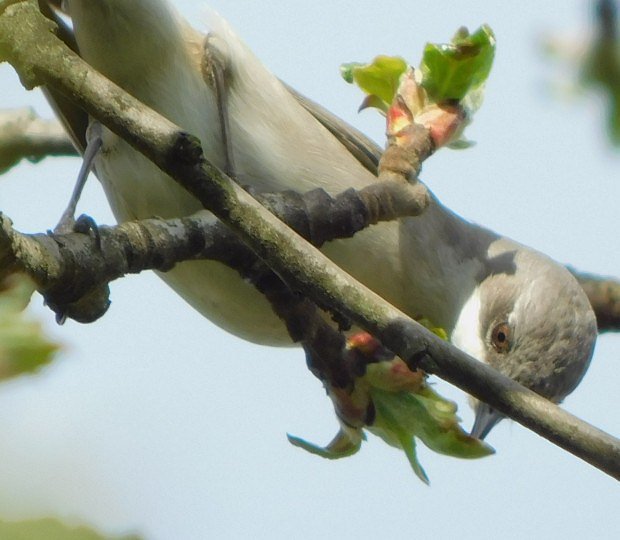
x: 152, y: 420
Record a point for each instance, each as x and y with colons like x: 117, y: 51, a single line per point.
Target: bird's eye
x: 500, y: 337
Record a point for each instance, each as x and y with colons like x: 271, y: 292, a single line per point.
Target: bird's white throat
x: 466, y: 334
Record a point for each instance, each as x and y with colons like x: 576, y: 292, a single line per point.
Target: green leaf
x: 372, y: 102
x: 428, y: 416
x: 442, y: 432
x: 23, y: 346
x: 461, y: 144
x: 406, y: 409
x: 437, y: 330
x: 388, y: 423
x: 450, y: 71
x: 380, y: 78
x: 344, y: 444
x: 347, y: 70
x: 601, y: 70
x: 51, y: 529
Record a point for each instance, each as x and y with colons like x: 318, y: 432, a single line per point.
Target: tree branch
x: 602, y: 292
x: 27, y: 42
x: 69, y: 268
x: 23, y: 135
x: 604, y: 295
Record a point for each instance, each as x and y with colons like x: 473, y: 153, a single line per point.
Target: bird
x: 146, y: 48
x: 501, y: 302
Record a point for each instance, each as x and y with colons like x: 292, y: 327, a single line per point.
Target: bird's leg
x: 214, y: 70
x: 67, y: 221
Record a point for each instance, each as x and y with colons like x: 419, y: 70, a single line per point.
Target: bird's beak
x: 486, y: 419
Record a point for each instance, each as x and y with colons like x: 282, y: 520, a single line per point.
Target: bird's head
x: 529, y: 319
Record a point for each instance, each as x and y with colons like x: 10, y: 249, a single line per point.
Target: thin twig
x: 23, y: 135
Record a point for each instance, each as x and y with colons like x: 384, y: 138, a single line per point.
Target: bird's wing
x: 75, y: 120
x: 365, y: 150
x: 72, y: 117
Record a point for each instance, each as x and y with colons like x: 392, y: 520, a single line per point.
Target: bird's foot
x: 87, y: 225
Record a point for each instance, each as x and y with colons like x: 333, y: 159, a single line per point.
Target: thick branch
x: 602, y: 292
x: 72, y: 271
x: 38, y: 139
x: 298, y: 263
x: 378, y: 203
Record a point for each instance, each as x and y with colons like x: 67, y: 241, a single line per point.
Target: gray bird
x: 501, y: 302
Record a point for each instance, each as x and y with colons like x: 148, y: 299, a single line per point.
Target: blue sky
x: 155, y: 421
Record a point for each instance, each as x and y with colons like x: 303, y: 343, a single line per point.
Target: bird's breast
x: 441, y: 266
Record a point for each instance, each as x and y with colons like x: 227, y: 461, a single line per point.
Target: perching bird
x: 147, y: 49
x: 501, y: 302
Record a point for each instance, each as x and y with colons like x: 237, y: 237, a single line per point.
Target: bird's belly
x: 219, y: 294
x: 222, y: 296
x: 137, y: 189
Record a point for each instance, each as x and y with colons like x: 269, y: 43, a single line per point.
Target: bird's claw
x: 82, y: 225
x: 87, y: 225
